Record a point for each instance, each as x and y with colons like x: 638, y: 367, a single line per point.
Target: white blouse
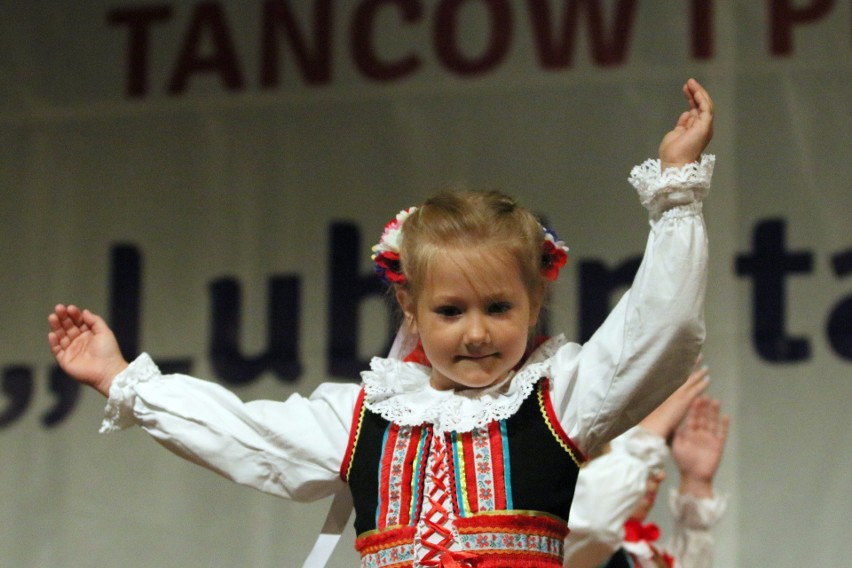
x: 294, y: 449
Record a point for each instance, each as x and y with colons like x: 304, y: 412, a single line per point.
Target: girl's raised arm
x: 648, y: 343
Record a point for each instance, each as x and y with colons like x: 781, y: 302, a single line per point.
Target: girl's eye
x: 499, y: 307
x: 447, y: 311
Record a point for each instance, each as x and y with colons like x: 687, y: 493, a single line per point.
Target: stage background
x: 159, y: 161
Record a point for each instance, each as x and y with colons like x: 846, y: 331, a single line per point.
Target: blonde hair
x: 469, y: 218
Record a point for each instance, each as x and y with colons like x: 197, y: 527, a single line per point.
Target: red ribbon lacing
x: 437, y: 536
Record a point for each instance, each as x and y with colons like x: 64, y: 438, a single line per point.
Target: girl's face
x: 473, y: 315
x: 655, y: 477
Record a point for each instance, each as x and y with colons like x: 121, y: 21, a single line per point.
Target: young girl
x: 468, y: 452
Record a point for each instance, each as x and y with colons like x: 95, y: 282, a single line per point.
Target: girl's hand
x: 693, y: 130
x: 85, y: 347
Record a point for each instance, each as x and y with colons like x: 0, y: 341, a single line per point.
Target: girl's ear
x: 406, y: 302
x: 535, y: 310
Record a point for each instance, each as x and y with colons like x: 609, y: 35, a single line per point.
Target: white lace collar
x: 400, y: 393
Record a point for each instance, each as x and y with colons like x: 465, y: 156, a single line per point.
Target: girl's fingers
x: 67, y: 324
x: 75, y: 313
x: 53, y: 322
x: 693, y: 117
x: 705, y: 103
x: 698, y: 96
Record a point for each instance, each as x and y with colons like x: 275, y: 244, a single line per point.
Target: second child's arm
x: 664, y: 419
x: 696, y: 507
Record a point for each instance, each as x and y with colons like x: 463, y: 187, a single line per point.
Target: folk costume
x: 468, y: 477
x: 496, y: 483
x: 608, y: 489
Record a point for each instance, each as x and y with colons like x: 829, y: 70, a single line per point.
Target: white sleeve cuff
x: 642, y: 444
x: 660, y: 191
x: 118, y: 414
x: 697, y: 513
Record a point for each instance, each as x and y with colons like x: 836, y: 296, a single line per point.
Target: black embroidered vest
x: 512, y: 482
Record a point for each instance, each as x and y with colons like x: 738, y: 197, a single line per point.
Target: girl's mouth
x: 475, y: 357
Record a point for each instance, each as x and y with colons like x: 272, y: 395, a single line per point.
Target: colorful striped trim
x: 383, y: 474
x: 498, y: 454
x: 546, y: 407
x: 526, y: 535
x: 545, y: 518
x: 481, y: 459
x: 400, y: 475
x: 418, y: 468
x: 391, y: 548
x: 354, y: 433
x: 507, y: 467
x: 452, y: 481
x: 457, y: 453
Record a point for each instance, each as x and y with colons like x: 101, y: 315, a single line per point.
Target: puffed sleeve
x: 692, y: 543
x: 292, y: 449
x: 608, y: 489
x: 648, y: 343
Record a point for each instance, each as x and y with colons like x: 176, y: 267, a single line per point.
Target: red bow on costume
x: 634, y: 531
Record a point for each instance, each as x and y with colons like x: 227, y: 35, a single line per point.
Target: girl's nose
x: 476, y: 332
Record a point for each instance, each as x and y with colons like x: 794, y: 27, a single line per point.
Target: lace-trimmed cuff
x: 660, y: 191
x: 644, y: 445
x: 695, y: 512
x: 118, y: 414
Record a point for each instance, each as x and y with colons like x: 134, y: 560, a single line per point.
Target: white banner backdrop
x: 190, y: 169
